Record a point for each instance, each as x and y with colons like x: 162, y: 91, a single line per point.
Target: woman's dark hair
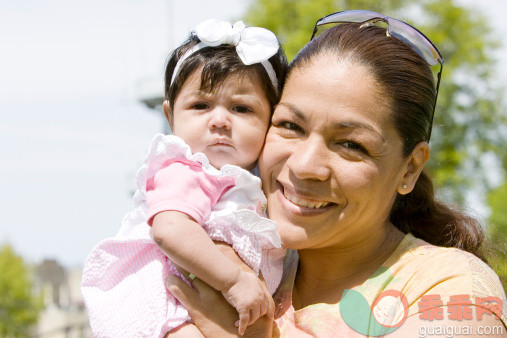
x: 407, y: 79
x: 218, y: 63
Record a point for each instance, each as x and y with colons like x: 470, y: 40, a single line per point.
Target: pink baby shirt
x: 182, y: 185
x: 123, y: 278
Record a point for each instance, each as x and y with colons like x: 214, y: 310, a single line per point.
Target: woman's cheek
x: 356, y: 175
x: 271, y: 154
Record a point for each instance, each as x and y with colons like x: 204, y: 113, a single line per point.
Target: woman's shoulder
x: 444, y: 265
x: 441, y: 276
x: 421, y: 270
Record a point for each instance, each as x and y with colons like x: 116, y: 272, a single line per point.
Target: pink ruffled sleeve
x: 182, y: 185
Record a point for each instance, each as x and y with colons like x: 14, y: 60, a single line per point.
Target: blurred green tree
x: 19, y: 305
x: 497, y: 233
x: 469, y: 119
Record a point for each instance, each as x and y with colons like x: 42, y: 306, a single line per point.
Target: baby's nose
x: 219, y: 118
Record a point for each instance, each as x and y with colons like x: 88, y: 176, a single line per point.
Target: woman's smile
x: 301, y: 203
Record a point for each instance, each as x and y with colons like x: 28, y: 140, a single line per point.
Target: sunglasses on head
x: 396, y: 28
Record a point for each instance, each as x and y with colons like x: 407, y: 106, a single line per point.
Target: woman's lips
x: 302, y: 204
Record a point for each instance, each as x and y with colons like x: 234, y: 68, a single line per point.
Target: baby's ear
x: 167, y: 112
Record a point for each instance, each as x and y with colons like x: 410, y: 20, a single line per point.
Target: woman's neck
x: 324, y: 273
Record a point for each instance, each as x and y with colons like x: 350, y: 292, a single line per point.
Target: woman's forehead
x: 332, y: 81
x: 338, y: 92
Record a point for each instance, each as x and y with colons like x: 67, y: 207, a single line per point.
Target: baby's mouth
x: 221, y: 142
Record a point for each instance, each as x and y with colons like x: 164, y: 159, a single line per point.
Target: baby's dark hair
x: 218, y: 63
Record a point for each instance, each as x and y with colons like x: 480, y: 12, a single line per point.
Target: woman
x: 342, y: 169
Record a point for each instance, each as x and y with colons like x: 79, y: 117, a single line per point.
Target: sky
x: 72, y: 128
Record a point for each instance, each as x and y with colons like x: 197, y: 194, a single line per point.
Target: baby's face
x: 228, y: 125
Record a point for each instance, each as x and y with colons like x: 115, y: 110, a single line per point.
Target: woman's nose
x: 219, y: 119
x: 310, y: 160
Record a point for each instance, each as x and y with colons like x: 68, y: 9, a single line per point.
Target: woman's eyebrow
x: 293, y: 109
x: 354, y: 124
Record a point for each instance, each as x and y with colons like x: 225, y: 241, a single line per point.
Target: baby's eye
x: 242, y: 109
x: 200, y: 106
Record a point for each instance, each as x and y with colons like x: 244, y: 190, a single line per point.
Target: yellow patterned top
x: 418, y: 279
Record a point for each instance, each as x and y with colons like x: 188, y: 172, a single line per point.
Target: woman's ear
x: 414, y: 166
x: 167, y: 112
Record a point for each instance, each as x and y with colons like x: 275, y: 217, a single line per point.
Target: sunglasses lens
x: 353, y: 16
x: 412, y: 37
x: 396, y: 28
x: 348, y: 16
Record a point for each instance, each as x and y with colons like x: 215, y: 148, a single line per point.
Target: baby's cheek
x: 254, y: 144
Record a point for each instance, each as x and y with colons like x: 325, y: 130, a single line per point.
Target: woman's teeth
x: 305, y: 203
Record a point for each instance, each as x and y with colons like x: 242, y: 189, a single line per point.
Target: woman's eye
x: 200, y: 106
x: 242, y: 109
x: 353, y: 146
x: 290, y: 126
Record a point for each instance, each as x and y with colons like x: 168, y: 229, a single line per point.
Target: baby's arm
x: 186, y: 243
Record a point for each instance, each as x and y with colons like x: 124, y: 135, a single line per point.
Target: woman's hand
x: 211, y: 313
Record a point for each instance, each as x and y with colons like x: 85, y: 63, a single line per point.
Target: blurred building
x: 64, y: 314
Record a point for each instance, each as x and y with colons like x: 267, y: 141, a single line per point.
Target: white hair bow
x: 253, y: 44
